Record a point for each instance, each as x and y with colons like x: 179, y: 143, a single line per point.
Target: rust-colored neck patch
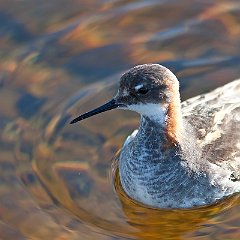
x: 174, y: 120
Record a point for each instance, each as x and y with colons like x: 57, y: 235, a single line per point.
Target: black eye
x: 143, y: 90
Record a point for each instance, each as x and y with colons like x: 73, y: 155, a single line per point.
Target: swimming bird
x: 183, y: 154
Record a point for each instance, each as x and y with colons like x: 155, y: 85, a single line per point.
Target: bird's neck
x: 174, y: 121
x: 168, y: 126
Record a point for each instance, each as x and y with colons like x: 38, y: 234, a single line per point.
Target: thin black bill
x: 105, y: 107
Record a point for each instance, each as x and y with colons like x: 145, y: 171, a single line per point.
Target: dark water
x: 60, y: 58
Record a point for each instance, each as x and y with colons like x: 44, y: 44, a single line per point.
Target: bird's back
x: 215, y: 118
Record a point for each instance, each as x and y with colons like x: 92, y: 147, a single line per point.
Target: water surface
x: 61, y: 58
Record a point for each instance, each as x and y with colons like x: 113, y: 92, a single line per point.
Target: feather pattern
x: 202, y: 169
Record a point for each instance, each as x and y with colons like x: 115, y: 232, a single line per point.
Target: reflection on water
x: 62, y: 58
x: 165, y: 224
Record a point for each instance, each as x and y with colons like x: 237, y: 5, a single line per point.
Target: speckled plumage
x: 183, y: 155
x: 201, y: 169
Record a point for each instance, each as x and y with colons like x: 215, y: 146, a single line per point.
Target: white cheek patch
x: 152, y: 110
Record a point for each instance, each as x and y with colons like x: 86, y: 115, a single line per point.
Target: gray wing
x: 215, y: 117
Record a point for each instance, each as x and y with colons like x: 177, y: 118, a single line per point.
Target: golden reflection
x: 89, y: 208
x: 117, y: 215
x: 167, y: 224
x: 53, y: 178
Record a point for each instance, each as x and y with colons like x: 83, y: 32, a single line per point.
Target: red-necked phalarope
x: 182, y: 155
